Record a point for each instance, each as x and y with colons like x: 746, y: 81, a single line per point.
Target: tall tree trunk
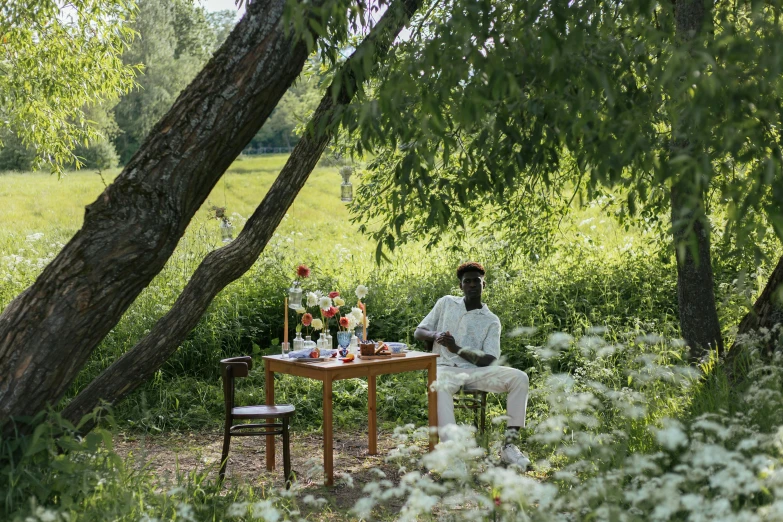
x: 691, y: 229
x: 49, y: 330
x: 225, y: 265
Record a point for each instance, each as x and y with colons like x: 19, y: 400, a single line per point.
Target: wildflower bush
x: 612, y: 453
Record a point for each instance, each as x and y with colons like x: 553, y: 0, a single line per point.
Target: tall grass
x: 603, y: 275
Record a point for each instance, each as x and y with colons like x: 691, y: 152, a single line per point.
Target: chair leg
x: 226, y: 444
x: 286, y: 455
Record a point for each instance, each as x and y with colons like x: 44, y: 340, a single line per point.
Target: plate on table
x: 309, y: 359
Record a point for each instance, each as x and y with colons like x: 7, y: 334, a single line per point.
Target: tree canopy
x: 522, y: 108
x: 58, y: 58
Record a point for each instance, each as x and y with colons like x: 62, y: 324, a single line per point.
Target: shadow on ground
x: 167, y: 456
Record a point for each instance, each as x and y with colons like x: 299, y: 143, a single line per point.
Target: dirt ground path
x: 181, y: 453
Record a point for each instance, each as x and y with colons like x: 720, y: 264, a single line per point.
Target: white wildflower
x: 325, y: 302
x: 361, y: 291
x: 523, y: 331
x: 265, y: 510
x: 671, y: 436
x: 312, y: 298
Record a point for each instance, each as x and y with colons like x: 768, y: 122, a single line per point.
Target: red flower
x: 332, y: 295
x: 330, y: 312
x: 497, y: 500
x: 307, y: 319
x: 344, y: 322
x: 302, y: 271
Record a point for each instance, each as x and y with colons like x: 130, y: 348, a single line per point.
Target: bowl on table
x: 397, y: 347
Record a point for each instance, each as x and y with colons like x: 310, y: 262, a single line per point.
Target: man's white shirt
x: 477, y: 330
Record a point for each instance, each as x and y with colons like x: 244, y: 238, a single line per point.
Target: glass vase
x: 298, y: 342
x: 309, y: 343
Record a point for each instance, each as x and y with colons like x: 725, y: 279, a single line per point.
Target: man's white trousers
x: 494, y: 379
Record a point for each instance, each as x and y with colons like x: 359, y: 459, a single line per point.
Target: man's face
x: 472, y: 283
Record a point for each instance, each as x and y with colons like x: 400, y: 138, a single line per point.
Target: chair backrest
x: 230, y: 369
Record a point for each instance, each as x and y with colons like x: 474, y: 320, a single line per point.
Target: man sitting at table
x: 466, y: 335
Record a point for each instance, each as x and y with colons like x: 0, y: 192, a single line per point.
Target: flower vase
x: 309, y: 343
x: 329, y: 342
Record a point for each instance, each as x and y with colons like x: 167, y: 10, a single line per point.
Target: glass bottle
x: 295, y: 296
x: 226, y: 231
x: 346, y: 188
x: 298, y: 342
x: 309, y: 343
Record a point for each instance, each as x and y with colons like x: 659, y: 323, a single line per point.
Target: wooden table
x: 334, y: 369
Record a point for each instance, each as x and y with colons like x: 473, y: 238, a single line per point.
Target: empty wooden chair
x: 231, y: 369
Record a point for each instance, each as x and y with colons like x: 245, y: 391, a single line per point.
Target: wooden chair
x: 475, y: 400
x: 235, y: 367
x: 466, y: 399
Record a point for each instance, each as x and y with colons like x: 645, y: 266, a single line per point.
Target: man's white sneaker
x: 510, y: 455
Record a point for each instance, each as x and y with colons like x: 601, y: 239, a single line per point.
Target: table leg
x: 328, y: 455
x: 270, y: 401
x: 372, y: 417
x: 432, y: 402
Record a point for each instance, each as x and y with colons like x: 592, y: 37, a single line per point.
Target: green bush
x: 14, y: 155
x: 100, y: 155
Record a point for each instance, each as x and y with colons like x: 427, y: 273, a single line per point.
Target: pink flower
x: 330, y: 312
x: 302, y: 271
x: 332, y: 295
x: 344, y: 322
x: 307, y: 319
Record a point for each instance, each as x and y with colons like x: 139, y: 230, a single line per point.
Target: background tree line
x: 175, y: 40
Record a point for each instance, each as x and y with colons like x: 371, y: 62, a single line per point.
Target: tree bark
x: 49, y: 330
x: 695, y: 283
x: 226, y: 264
x: 768, y: 309
x: 767, y: 312
x: 690, y: 227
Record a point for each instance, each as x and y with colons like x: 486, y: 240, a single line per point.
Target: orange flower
x: 302, y: 271
x: 307, y: 319
x: 330, y: 312
x: 344, y: 322
x: 332, y: 295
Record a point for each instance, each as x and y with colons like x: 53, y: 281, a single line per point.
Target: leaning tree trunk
x: 691, y: 229
x: 767, y: 312
x: 49, y: 330
x: 226, y: 264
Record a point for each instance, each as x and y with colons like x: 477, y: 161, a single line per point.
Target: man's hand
x: 447, y: 340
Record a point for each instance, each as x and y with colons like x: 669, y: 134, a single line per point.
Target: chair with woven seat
x: 231, y: 369
x: 476, y: 401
